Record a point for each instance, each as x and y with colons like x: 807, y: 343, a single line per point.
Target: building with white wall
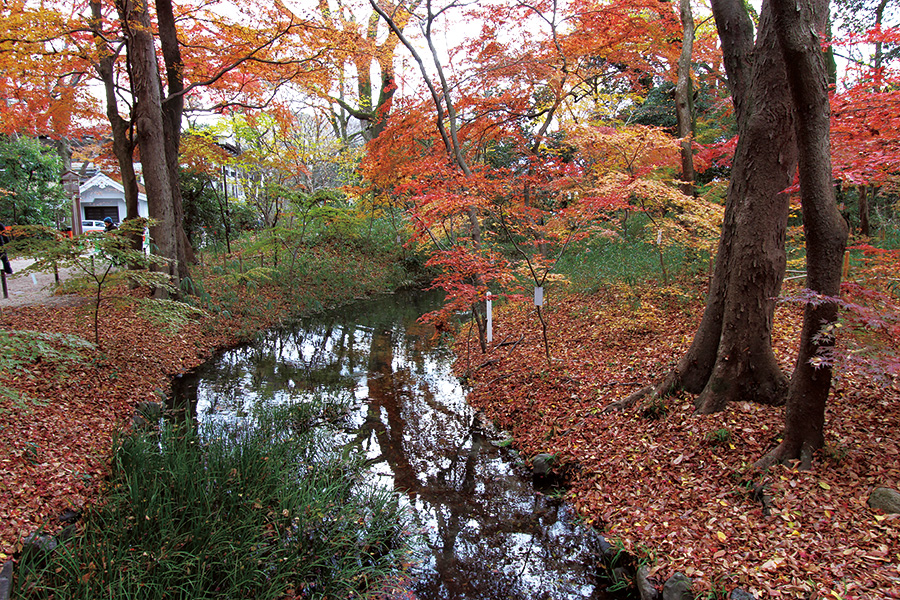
x: 102, y: 196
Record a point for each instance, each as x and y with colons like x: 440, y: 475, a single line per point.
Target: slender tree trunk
x: 736, y: 34
x: 863, y: 209
x: 684, y: 110
x: 731, y: 355
x: 798, y: 24
x: 148, y: 119
x: 122, y: 140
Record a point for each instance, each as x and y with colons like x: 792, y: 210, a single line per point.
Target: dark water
x: 488, y: 534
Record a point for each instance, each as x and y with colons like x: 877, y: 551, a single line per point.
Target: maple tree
x: 494, y: 158
x: 94, y: 256
x: 44, y: 82
x: 864, y: 122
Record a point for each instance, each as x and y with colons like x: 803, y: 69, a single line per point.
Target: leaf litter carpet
x: 679, y: 490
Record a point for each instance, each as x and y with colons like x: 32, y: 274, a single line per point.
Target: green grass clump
x: 249, y: 510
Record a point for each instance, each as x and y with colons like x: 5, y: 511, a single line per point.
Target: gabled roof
x: 101, y: 180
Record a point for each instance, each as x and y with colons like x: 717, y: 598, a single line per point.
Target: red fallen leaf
x: 648, y: 501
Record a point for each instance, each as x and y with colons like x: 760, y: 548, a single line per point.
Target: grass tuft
x: 250, y: 510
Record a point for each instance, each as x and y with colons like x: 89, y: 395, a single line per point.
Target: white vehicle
x: 87, y: 226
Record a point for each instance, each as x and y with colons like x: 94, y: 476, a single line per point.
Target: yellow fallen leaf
x: 722, y: 537
x: 824, y: 485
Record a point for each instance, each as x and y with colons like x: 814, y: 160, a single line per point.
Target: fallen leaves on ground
x: 58, y: 428
x: 680, y: 489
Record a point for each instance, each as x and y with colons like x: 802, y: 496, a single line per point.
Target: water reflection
x: 488, y: 534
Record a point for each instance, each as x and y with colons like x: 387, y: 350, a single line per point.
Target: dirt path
x: 36, y: 288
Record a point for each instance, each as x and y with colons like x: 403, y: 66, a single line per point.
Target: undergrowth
x: 254, y: 509
x: 634, y: 261
x: 20, y: 349
x: 169, y: 316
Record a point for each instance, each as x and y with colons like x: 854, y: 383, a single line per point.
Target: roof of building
x: 101, y: 180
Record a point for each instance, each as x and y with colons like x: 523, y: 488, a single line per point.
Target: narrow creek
x: 487, y: 533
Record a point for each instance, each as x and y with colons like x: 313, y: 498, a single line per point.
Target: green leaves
x: 29, y: 182
x: 18, y: 349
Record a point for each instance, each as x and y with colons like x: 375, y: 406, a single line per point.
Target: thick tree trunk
x: 148, y: 120
x: 797, y: 24
x: 731, y: 355
x: 173, y: 108
x: 684, y: 111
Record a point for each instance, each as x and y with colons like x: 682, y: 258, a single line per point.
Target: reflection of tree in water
x: 488, y: 541
x: 489, y: 535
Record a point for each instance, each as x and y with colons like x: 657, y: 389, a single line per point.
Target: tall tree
x: 106, y: 53
x: 172, y: 109
x: 684, y: 97
x: 373, y: 106
x: 800, y: 27
x: 150, y: 126
x: 731, y: 355
x: 44, y: 87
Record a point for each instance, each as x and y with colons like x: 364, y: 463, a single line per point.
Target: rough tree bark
x: 148, y: 120
x: 172, y: 110
x: 731, y: 355
x: 798, y: 23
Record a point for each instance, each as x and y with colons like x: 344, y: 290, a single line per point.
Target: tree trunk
x: 736, y: 33
x: 863, y: 210
x: 684, y: 110
x: 731, y: 355
x: 172, y: 110
x: 148, y: 119
x: 122, y: 140
x: 797, y: 23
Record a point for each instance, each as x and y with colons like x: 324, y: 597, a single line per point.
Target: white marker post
x: 490, y: 320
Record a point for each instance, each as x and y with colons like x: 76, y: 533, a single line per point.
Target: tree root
x: 784, y: 454
x: 631, y: 400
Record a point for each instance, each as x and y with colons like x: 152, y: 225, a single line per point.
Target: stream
x: 487, y: 533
